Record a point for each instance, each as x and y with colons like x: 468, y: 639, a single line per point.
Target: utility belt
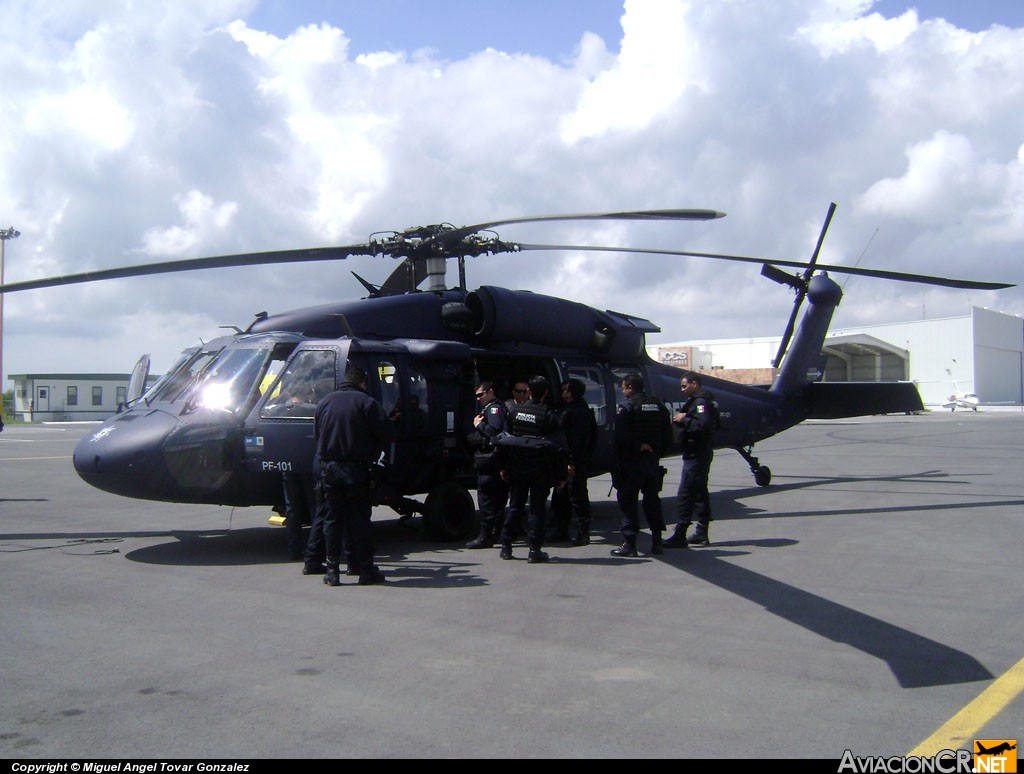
x: 487, y: 461
x: 621, y: 472
x: 342, y: 477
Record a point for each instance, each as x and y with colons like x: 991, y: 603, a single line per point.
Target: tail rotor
x: 798, y: 282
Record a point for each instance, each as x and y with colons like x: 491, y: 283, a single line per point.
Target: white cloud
x: 657, y: 62
x: 935, y: 167
x: 201, y: 216
x: 836, y: 36
x: 180, y: 129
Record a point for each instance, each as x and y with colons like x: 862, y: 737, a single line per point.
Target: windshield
x: 229, y: 380
x: 179, y: 376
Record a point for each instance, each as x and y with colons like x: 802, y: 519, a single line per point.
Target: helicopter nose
x: 124, y: 455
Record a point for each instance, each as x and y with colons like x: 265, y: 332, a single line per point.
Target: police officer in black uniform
x: 350, y: 431
x: 491, y: 490
x: 573, y: 500
x: 697, y: 419
x: 533, y: 460
x: 643, y: 432
x: 302, y: 505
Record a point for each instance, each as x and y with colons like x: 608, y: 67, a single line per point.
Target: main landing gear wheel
x: 449, y: 513
x: 762, y: 473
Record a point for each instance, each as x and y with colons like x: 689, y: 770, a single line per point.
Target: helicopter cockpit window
x: 230, y: 379
x: 180, y: 376
x: 306, y: 381
x: 390, y: 391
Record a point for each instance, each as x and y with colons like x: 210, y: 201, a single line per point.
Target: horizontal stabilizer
x: 834, y: 400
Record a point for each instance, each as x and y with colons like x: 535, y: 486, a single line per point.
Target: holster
x: 343, y: 479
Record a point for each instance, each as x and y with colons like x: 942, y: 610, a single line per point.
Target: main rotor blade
x: 898, y: 276
x: 688, y: 214
x: 195, y: 264
x: 398, y: 281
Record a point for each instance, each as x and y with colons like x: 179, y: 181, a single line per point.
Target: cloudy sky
x: 137, y: 132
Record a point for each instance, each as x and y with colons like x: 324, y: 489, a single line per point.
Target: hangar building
x: 982, y: 352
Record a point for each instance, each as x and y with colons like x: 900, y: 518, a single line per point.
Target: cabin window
x: 72, y: 395
x: 97, y: 396
x: 595, y: 395
x: 618, y: 373
x: 418, y: 408
x: 303, y: 384
x: 390, y: 390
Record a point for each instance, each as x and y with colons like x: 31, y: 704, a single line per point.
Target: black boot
x: 506, y: 551
x: 700, y: 536
x: 536, y: 556
x: 582, y: 534
x: 677, y: 539
x: 332, y: 577
x: 371, y: 575
x: 628, y: 548
x: 485, y: 539
x: 656, y: 543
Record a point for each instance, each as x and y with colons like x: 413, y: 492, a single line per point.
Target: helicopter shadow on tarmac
x: 413, y: 561
x: 728, y: 502
x: 915, y: 661
x: 396, y: 544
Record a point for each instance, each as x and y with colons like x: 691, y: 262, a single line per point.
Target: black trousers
x: 572, y: 503
x: 640, y: 477
x: 491, y: 496
x: 693, y: 500
x: 347, y: 519
x: 301, y: 505
x: 520, y: 490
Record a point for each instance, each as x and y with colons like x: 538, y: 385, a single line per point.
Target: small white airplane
x: 967, y: 400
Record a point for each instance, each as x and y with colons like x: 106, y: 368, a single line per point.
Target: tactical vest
x: 649, y: 417
x: 529, y: 420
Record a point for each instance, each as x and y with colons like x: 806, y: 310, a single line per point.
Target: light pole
x: 5, y: 234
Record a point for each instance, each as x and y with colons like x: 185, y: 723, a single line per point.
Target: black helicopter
x: 230, y: 416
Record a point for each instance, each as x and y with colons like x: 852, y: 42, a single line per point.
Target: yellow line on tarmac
x: 965, y: 724
x: 25, y: 459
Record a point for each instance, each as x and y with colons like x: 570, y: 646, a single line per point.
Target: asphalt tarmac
x: 858, y: 603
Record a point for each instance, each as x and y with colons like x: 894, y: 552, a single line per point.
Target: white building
x: 68, y: 397
x: 982, y: 353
